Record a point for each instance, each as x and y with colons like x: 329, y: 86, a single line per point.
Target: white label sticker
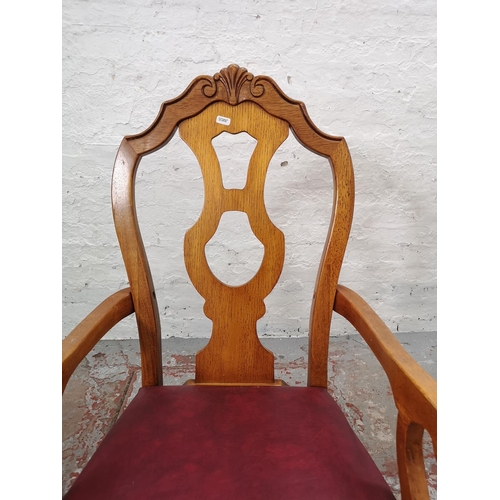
x: 223, y: 120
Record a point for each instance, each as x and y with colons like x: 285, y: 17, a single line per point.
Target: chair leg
x: 411, y: 460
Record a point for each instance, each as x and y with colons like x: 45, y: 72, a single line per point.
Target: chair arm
x: 414, y: 390
x: 86, y: 335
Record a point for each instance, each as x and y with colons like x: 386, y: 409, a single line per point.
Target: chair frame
x: 414, y: 390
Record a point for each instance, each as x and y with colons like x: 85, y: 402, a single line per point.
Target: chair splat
x: 234, y: 353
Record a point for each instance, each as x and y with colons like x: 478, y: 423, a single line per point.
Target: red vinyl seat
x: 193, y: 442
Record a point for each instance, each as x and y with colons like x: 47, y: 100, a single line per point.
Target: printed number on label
x: 223, y: 120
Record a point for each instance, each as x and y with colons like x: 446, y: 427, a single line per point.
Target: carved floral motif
x: 232, y: 80
x: 233, y: 77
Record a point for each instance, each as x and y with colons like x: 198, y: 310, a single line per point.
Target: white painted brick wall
x: 366, y: 71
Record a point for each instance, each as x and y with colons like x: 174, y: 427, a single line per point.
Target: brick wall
x: 366, y: 71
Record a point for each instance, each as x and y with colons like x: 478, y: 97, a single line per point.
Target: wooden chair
x: 235, y: 432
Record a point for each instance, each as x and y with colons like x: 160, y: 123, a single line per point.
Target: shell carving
x: 232, y: 79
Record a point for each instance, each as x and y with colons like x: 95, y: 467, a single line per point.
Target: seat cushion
x: 207, y: 442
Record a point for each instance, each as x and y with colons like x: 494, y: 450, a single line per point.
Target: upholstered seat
x: 193, y: 442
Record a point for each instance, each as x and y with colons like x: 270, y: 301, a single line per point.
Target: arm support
x: 86, y: 335
x: 414, y: 390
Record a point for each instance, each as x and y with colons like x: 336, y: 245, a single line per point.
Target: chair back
x: 232, y: 101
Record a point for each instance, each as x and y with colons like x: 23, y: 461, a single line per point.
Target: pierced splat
x: 233, y: 152
x: 234, y: 254
x: 234, y: 353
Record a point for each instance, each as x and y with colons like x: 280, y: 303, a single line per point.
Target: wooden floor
x: 109, y: 378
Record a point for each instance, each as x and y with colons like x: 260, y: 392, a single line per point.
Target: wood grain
x: 234, y: 353
x: 136, y: 263
x: 411, y: 467
x: 86, y: 335
x: 234, y: 86
x: 414, y: 390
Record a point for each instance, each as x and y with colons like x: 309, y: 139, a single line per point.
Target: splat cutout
x: 234, y: 152
x: 234, y: 254
x: 234, y: 353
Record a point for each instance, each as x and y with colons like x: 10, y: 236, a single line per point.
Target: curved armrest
x: 414, y: 390
x: 86, y: 335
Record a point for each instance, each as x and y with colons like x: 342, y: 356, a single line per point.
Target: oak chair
x: 235, y: 432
